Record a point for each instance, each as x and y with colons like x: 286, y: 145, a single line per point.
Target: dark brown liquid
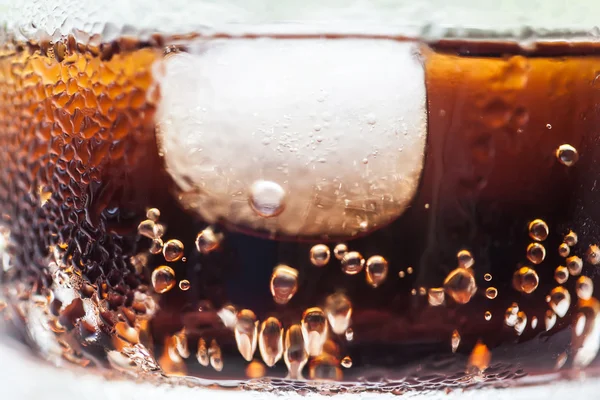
x: 80, y: 167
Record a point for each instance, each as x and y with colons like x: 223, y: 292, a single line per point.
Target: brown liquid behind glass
x: 80, y: 169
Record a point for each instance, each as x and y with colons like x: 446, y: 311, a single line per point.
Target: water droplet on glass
x: 436, y: 296
x: 173, y: 250
x: 571, y: 238
x: 163, y: 279
x: 491, y: 293
x: 340, y: 251
x: 584, y: 287
x: 593, y: 254
x: 538, y: 230
x: 284, y: 283
x: 320, y: 255
x: 146, y: 228
x: 349, y: 334
x: 460, y: 285
x: 270, y: 341
x: 564, y: 250
x: 214, y: 353
x: 376, y: 271
x: 561, y: 274
x: 487, y: 315
x: 525, y: 280
x: 574, y: 265
x: 314, y: 329
x: 347, y: 362
x: 534, y: 322
x: 487, y: 277
x: 352, y: 263
x: 567, y: 155
x: 339, y: 312
x: 560, y: 301
x: 156, y: 246
x: 510, y: 316
x: 208, y: 240
x: 267, y: 198
x: 153, y: 214
x: 521, y: 322
x: 246, y: 333
x: 549, y: 319
x: 202, y: 353
x: 465, y: 259
x: 295, y: 355
x: 536, y: 253
x: 184, y: 285
x: 455, y: 340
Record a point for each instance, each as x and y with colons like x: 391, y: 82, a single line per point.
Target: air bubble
x: 158, y: 230
x: 246, y: 333
x: 295, y: 355
x: 376, y: 271
x: 536, y: 253
x: 574, y: 265
x: 487, y: 315
x: 460, y: 285
x: 525, y: 280
x: 571, y: 238
x: 173, y: 250
x: 567, y: 155
x: 267, y: 198
x: 340, y: 251
x: 593, y: 254
x: 153, y: 214
x: 349, y: 334
x: 436, y: 296
x: 216, y: 359
x: 538, y: 230
x: 455, y: 340
x: 534, y: 322
x: 401, y: 274
x: 208, y: 240
x: 510, y: 316
x: 409, y: 270
x: 465, y: 259
x: 564, y: 250
x: 561, y: 274
x: 270, y: 341
x: 491, y: 293
x: 146, y: 228
x: 487, y: 277
x: 325, y: 368
x: 184, y: 285
x: 339, y: 312
x: 560, y: 301
x: 202, y: 353
x: 479, y: 359
x: 549, y: 319
x: 346, y: 362
x: 584, y: 287
x: 352, y: 263
x: 314, y: 329
x: 320, y: 255
x: 284, y: 283
x: 156, y: 246
x: 371, y: 119
x: 163, y: 279
x: 521, y: 322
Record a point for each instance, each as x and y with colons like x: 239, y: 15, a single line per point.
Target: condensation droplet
x: 521, y: 322
x: 202, y: 353
x: 267, y: 198
x: 564, y: 250
x: 460, y: 285
x: 525, y: 280
x: 146, y: 228
x: 295, y: 355
x: 173, y: 250
x: 536, y: 253
x: 561, y: 274
x: 510, y: 316
x: 455, y: 340
x: 560, y: 301
x: 340, y: 251
x: 567, y: 155
x: 339, y: 312
x: 538, y: 230
x: 184, y: 285
x: 246, y: 333
x: 347, y: 362
x: 534, y: 322
x: 349, y: 334
x: 584, y: 287
x: 376, y: 271
x: 487, y: 277
x: 314, y: 329
x: 352, y: 263
x: 284, y: 283
x: 270, y: 341
x: 436, y: 296
x: 549, y: 319
x: 571, y: 238
x: 153, y: 214
x: 593, y: 254
x: 163, y: 279
x: 491, y: 293
x: 320, y: 255
x: 487, y: 315
x: 156, y: 246
x: 208, y: 240
x: 574, y: 265
x: 465, y: 259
